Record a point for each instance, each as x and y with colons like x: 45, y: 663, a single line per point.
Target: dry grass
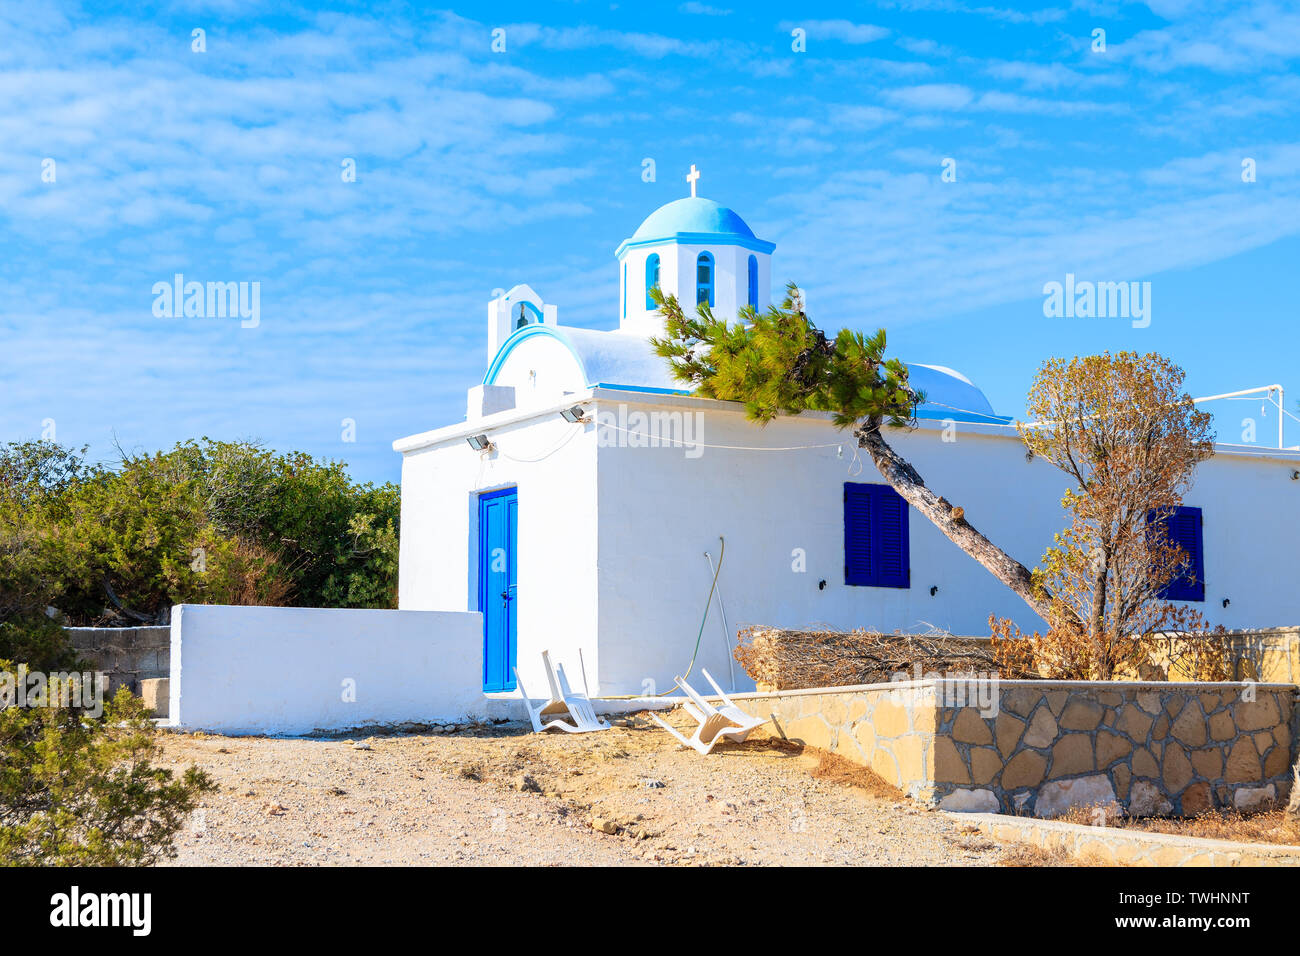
x: 1028, y: 854
x: 1271, y: 826
x: 1268, y: 826
x: 836, y: 769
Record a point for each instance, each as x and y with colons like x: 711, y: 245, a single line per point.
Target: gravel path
x: 505, y: 796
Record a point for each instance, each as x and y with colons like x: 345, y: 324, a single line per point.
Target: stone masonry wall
x: 1042, y: 747
x: 1152, y: 749
x: 888, y: 730
x: 127, y: 655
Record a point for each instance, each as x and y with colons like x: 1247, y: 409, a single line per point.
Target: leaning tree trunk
x: 949, y: 519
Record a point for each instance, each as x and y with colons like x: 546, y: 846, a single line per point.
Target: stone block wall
x: 1043, y: 747
x: 127, y: 655
x: 887, y: 727
x: 1153, y: 749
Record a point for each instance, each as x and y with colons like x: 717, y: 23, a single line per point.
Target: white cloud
x: 703, y: 9
x: 932, y: 96
x: 845, y: 31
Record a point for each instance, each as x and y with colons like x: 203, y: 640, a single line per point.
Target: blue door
x: 498, y: 526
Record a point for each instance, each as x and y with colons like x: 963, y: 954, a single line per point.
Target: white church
x: 586, y: 501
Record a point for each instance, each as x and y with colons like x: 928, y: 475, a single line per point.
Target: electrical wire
x: 529, y: 461
x: 700, y: 444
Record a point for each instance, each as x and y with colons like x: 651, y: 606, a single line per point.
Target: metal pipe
x: 726, y: 628
x: 1268, y: 391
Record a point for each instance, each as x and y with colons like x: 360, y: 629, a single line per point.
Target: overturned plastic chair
x: 727, y: 722
x: 699, y: 708
x: 563, y: 700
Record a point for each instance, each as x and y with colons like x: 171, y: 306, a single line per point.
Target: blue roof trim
x: 974, y: 418
x: 643, y: 388
x: 520, y: 335
x: 700, y: 239
x: 929, y: 414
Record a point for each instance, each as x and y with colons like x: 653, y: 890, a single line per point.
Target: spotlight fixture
x: 1226, y: 602
x: 575, y: 415
x: 1295, y: 476
x: 934, y: 590
x: 821, y: 585
x: 480, y: 442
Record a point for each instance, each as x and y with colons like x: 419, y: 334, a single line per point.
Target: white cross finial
x: 691, y: 177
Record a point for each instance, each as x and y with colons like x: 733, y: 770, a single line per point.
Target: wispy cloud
x: 842, y: 31
x: 932, y: 96
x: 477, y: 169
x: 703, y: 9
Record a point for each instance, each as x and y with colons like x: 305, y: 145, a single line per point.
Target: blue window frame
x: 704, y: 279
x: 876, y: 549
x: 753, y: 281
x: 1183, y: 527
x: 651, y: 280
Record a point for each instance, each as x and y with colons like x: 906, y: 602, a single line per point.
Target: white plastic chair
x: 563, y: 700
x: 700, y: 709
x: 715, y: 724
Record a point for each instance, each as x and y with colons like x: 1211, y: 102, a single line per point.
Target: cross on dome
x: 691, y: 178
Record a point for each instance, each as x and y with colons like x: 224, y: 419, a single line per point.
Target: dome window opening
x: 651, y: 280
x: 704, y: 280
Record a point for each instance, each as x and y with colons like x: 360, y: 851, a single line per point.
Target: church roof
x: 625, y: 360
x: 695, y: 220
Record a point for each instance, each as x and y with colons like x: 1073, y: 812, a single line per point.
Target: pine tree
x: 780, y: 362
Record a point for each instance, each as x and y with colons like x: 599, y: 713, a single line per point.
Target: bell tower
x: 697, y: 250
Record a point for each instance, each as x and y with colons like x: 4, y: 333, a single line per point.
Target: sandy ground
x: 501, y: 795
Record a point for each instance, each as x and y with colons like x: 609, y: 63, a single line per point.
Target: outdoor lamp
x: 575, y: 415
x: 479, y: 442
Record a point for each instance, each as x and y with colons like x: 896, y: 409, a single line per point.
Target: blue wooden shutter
x: 857, y: 533
x: 892, y: 567
x: 876, y: 549
x: 1183, y: 526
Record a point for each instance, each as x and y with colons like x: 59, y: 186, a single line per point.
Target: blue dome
x: 695, y: 220
x: 692, y: 215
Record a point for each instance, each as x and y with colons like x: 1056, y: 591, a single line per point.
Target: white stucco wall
x: 275, y: 670
x: 660, y: 510
x: 541, y: 371
x: 553, y: 464
x: 612, y: 537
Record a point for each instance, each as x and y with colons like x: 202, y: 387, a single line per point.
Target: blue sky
x: 477, y: 170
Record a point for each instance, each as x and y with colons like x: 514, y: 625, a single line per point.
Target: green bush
x: 38, y: 641
x: 82, y: 790
x: 205, y: 523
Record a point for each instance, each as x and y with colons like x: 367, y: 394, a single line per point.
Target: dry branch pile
x: 794, y: 660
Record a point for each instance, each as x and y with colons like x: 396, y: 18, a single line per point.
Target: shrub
x: 38, y: 641
x: 78, y: 789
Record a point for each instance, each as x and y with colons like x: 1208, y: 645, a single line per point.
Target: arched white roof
x: 627, y: 361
